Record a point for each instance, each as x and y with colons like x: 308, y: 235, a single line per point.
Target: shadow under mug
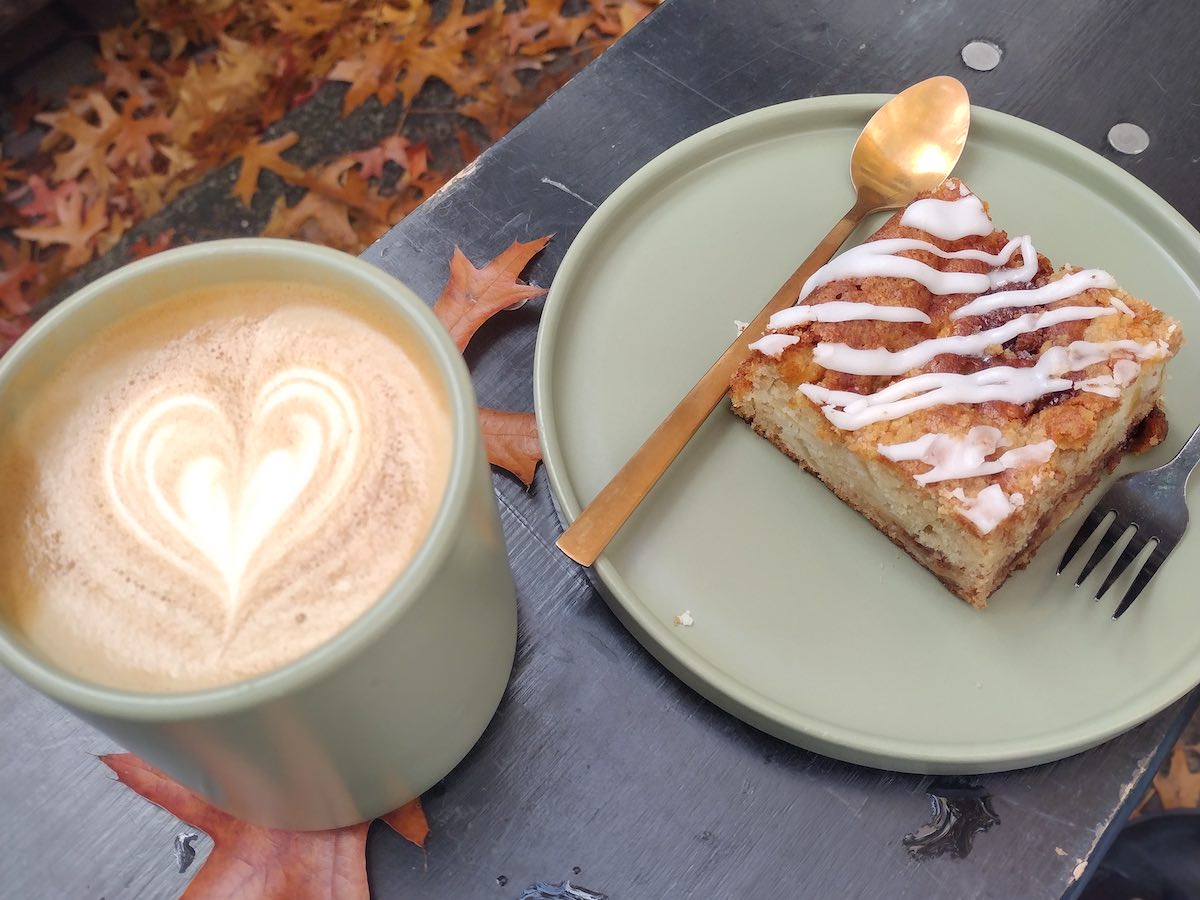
x: 387, y: 707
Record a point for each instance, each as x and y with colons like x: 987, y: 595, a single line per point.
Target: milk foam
x: 214, y: 489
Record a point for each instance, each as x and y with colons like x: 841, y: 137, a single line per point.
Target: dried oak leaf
x: 409, y: 822
x: 393, y: 148
x: 131, y: 145
x: 265, y: 863
x: 541, y: 27
x: 316, y: 219
x: 615, y: 19
x: 307, y: 18
x: 19, y: 273
x: 38, y: 199
x: 511, y: 441
x: 261, y: 155
x: 9, y: 171
x: 1179, y: 786
x: 143, y: 246
x: 10, y: 330
x: 398, y: 63
x: 78, y: 224
x: 90, y: 140
x: 472, y: 296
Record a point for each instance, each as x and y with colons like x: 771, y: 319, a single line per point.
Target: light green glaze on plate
x: 809, y: 624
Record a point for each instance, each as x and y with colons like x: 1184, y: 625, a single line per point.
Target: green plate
x: 809, y: 624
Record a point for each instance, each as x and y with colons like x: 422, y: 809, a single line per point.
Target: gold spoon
x: 910, y: 145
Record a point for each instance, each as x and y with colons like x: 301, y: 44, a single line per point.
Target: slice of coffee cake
x: 945, y: 382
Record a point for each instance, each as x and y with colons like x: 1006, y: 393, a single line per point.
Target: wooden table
x: 600, y: 767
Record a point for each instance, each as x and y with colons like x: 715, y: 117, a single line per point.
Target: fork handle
x: 1188, y: 457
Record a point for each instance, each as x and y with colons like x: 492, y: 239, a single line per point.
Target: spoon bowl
x: 910, y: 145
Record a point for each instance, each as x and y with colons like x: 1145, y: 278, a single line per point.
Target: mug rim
x: 451, y: 368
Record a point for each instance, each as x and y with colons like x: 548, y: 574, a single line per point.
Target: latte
x: 218, y: 484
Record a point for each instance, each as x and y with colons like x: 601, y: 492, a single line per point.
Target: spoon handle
x: 590, y: 533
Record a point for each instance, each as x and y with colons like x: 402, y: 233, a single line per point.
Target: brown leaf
x: 261, y: 155
x: 77, y: 227
x: 307, y: 18
x: 398, y: 63
x: 10, y: 330
x: 143, y: 246
x: 409, y: 822
x: 9, y: 171
x: 541, y: 27
x: 40, y: 199
x: 511, y: 440
x: 19, y: 274
x: 315, y: 218
x: 250, y: 861
x: 89, y: 140
x: 472, y: 296
x: 132, y: 145
x: 1179, y: 786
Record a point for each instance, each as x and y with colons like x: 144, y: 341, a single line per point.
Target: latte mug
x: 361, y: 722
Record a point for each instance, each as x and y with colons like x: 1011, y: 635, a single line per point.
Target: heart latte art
x: 208, y: 487
x: 210, y: 491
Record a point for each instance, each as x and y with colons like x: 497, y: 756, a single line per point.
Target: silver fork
x: 1154, y: 504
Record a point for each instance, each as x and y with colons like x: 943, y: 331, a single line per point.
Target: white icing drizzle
x: 1125, y: 371
x: 1104, y: 385
x: 966, y: 457
x: 773, y: 345
x: 988, y: 508
x: 841, y: 358
x: 844, y: 311
x: 879, y: 258
x: 850, y: 411
x: 1118, y: 303
x: 950, y: 220
x: 1067, y: 286
x: 740, y: 325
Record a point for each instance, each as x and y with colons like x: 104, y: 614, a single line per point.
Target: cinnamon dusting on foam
x: 218, y: 485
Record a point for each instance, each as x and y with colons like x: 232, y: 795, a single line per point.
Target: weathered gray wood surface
x: 598, y: 760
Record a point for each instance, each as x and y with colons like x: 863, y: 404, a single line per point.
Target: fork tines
x: 1132, y: 550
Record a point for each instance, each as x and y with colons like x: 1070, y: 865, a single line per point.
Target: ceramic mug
x: 384, y: 709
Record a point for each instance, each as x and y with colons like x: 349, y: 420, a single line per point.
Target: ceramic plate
x: 809, y: 624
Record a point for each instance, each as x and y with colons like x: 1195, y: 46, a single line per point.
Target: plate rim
x: 695, y: 669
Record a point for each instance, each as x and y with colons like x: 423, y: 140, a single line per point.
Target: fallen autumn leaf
x: 266, y: 863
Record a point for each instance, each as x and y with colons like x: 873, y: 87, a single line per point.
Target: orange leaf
x: 10, y: 330
x: 265, y: 155
x: 307, y: 19
x: 42, y: 199
x: 132, y: 145
x: 472, y: 296
x: 316, y: 219
x: 511, y: 441
x: 541, y: 27
x: 250, y: 861
x: 143, y: 246
x: 409, y: 822
x: 1179, y: 786
x: 90, y: 142
x: 390, y: 149
x: 18, y: 275
x: 77, y: 228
